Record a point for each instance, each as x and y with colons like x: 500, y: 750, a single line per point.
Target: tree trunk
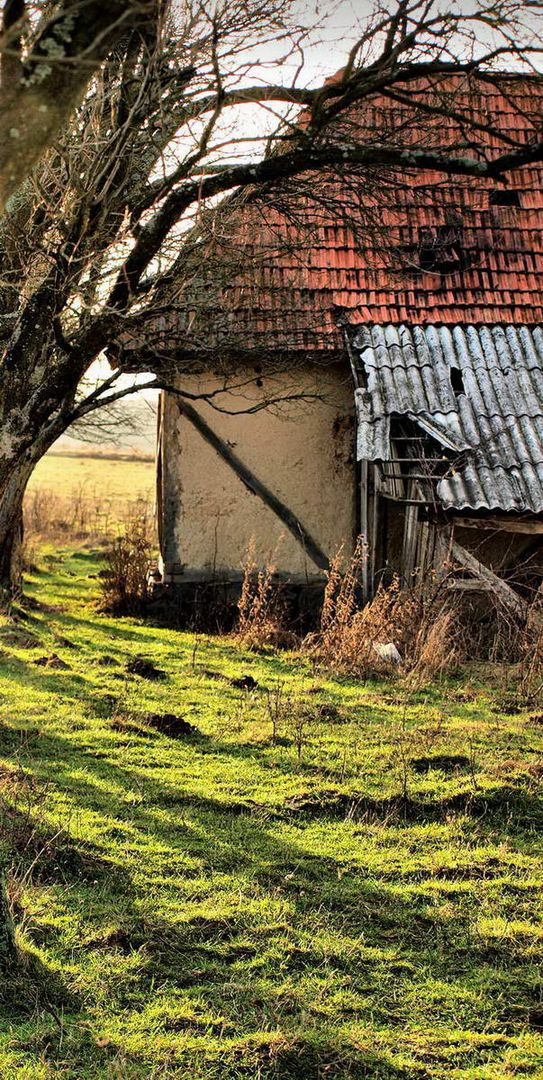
x: 11, y: 559
x: 8, y: 948
x: 11, y: 530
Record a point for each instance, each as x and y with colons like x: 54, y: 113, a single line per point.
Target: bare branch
x: 52, y: 80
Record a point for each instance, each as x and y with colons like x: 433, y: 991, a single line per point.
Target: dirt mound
x: 145, y: 668
x: 245, y: 682
x: 54, y: 662
x: 169, y: 724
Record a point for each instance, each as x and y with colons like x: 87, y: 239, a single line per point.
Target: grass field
x: 95, y: 476
x: 353, y: 891
x: 73, y: 498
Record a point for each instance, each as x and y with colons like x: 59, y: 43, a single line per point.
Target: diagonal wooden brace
x: 255, y: 486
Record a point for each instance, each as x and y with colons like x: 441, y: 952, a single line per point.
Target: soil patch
x: 175, y: 727
x: 145, y: 668
x: 446, y: 763
x: 53, y: 661
x: 245, y: 682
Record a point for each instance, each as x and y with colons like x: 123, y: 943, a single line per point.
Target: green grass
x: 212, y: 907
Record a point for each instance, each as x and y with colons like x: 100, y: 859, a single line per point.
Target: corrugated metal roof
x: 495, y: 417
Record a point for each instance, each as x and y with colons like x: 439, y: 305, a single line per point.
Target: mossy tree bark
x: 8, y: 947
x: 11, y: 555
x: 12, y: 492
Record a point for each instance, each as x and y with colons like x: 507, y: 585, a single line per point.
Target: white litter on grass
x: 388, y: 652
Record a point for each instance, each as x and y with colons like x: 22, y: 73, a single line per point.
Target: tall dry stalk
x: 438, y: 644
x: 126, y: 580
x: 261, y: 615
x: 420, y: 623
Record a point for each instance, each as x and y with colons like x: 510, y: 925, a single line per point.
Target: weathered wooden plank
x: 503, y: 525
x: 442, y: 549
x: 423, y: 546
x: 410, y: 538
x: 469, y: 585
x: 159, y: 480
x: 365, y: 528
x: 374, y: 512
x: 503, y: 592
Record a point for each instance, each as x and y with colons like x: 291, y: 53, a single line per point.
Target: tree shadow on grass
x: 52, y: 856
x: 68, y: 685
x: 504, y: 809
x: 31, y: 986
x: 198, y: 953
x: 219, y: 957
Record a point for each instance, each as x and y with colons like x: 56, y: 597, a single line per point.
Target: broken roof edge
x: 494, y: 423
x: 198, y: 361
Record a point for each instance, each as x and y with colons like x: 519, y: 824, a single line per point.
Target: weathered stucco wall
x: 303, y: 451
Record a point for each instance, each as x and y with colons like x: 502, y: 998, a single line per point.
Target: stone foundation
x: 212, y: 606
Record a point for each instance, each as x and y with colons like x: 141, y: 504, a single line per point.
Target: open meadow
x: 246, y: 868
x: 72, y: 496
x: 118, y: 477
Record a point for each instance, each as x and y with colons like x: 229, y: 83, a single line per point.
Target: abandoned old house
x: 402, y: 373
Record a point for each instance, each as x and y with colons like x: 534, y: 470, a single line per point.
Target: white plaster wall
x: 303, y: 451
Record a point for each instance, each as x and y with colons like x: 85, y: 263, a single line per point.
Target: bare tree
x: 107, y: 214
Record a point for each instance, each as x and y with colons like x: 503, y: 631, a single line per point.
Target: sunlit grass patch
x: 347, y: 887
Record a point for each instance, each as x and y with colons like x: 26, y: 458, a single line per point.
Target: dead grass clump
x: 278, y: 707
x: 79, y: 514
x: 125, y: 582
x: 438, y: 645
x: 261, y: 611
x: 417, y: 629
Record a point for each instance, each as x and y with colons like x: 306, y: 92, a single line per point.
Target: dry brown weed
x: 261, y: 612
x: 420, y: 625
x: 126, y: 581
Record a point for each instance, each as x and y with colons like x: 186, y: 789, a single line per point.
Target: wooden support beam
x: 254, y: 485
x: 365, y: 527
x: 511, y: 525
x: 410, y: 536
x: 374, y: 525
x: 500, y: 589
x: 468, y: 585
x: 424, y: 549
x: 443, y: 540
x: 159, y: 511
x: 407, y: 502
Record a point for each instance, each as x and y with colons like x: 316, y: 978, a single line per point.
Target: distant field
x: 95, y: 476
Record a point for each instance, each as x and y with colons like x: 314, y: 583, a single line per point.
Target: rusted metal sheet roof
x: 478, y: 390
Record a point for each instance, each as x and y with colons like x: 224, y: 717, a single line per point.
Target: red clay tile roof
x: 481, y: 263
